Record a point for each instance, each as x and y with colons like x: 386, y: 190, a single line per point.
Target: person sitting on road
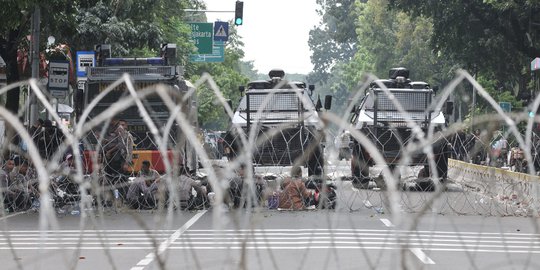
x: 21, y: 186
x: 294, y: 192
x: 142, y: 192
x: 236, y: 186
x: 239, y: 188
x: 185, y: 186
x: 147, y: 172
x: 64, y: 178
x: 8, y: 195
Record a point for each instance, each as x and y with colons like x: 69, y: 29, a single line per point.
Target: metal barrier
x: 515, y: 189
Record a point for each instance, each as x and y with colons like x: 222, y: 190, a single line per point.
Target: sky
x: 275, y: 32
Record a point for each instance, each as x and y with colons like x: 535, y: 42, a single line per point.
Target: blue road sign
x: 506, y: 106
x: 221, y: 31
x: 85, y: 59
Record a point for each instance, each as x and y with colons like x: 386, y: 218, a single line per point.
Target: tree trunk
x: 8, y: 51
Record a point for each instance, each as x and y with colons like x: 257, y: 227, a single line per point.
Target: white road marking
x: 269, y: 241
x: 145, y: 261
x: 421, y: 255
x: 165, y: 244
x: 387, y: 222
x: 186, y: 239
x: 416, y: 251
x: 258, y: 247
x: 250, y: 231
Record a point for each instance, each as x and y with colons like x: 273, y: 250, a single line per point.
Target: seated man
x: 236, y: 186
x: 239, y: 191
x: 65, y: 189
x: 5, y: 182
x: 142, y: 192
x: 185, y: 195
x: 21, y: 188
x: 147, y: 172
x: 294, y: 192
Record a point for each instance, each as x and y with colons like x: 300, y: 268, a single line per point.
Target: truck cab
x: 389, y: 116
x: 145, y: 74
x: 286, y: 122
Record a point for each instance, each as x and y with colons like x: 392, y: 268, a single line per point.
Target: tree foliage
x: 133, y: 28
x: 334, y: 39
x: 383, y: 39
x: 497, y: 37
x: 390, y: 38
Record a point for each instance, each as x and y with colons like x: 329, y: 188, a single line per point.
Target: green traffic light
x: 238, y: 21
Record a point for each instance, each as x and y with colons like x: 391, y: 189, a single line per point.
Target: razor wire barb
x: 474, y: 189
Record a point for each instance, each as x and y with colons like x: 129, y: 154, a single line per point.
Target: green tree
x: 132, y: 27
x: 385, y: 39
x: 334, y: 39
x: 333, y: 43
x: 57, y: 16
x: 129, y: 26
x: 491, y: 37
x: 390, y: 38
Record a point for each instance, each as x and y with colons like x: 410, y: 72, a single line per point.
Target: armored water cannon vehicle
x: 286, y: 121
x: 145, y: 73
x: 389, y: 116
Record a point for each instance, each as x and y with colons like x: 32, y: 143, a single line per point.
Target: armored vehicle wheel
x: 441, y: 152
x: 316, y: 162
x: 441, y: 159
x: 360, y: 162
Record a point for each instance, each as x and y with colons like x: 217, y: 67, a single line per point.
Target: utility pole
x: 473, y: 101
x: 36, y: 19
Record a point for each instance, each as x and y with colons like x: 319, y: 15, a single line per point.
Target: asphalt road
x: 362, y: 233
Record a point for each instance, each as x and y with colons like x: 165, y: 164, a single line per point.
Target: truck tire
x: 442, y: 152
x: 441, y: 159
x: 316, y: 162
x: 360, y: 162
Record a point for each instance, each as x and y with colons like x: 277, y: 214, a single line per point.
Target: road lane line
x: 305, y: 247
x: 423, y: 257
x: 165, y: 244
x: 387, y: 222
x: 145, y: 261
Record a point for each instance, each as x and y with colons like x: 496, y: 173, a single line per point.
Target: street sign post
x: 221, y: 31
x: 202, y: 36
x: 58, y: 79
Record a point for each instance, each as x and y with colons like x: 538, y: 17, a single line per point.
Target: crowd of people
x: 483, y: 149
x: 145, y: 189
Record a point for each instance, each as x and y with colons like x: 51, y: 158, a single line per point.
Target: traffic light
x: 238, y: 13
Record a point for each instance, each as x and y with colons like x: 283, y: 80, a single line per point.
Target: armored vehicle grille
x: 416, y: 105
x: 138, y: 73
x: 278, y: 107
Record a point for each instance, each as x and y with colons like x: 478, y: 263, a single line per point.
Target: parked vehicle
x: 286, y: 123
x: 391, y: 115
